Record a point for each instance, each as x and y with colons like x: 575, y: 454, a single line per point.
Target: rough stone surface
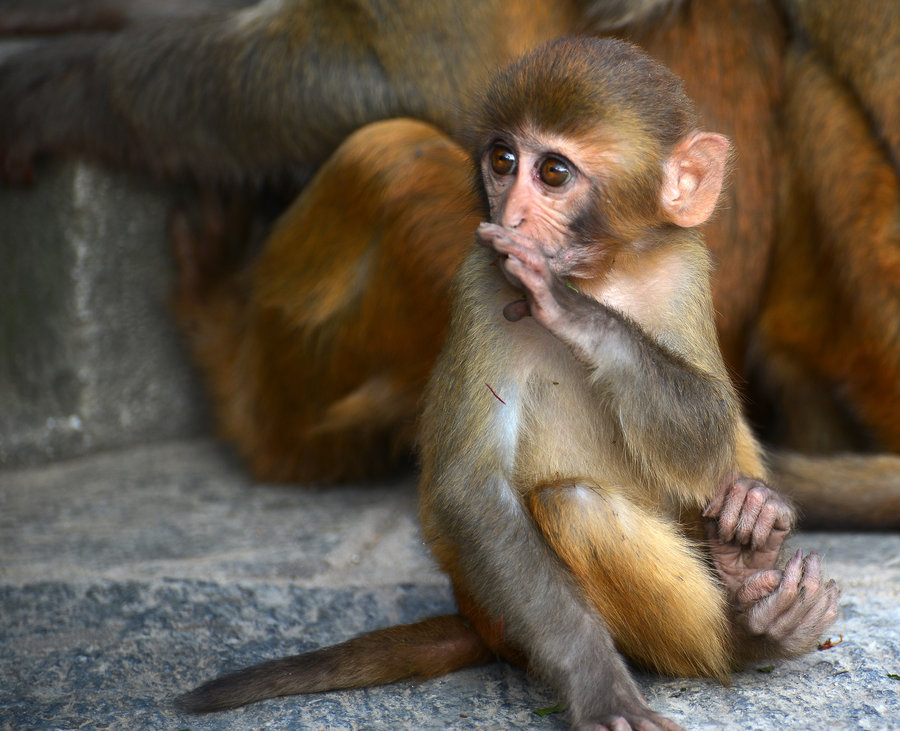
x: 131, y: 576
x: 89, y: 356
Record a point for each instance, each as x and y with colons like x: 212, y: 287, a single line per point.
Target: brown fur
x: 828, y: 331
x: 306, y: 378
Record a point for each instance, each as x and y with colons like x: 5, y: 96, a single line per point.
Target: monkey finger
x: 730, y: 512
x: 763, y: 532
x: 762, y: 512
x: 830, y: 595
x: 668, y: 725
x: 752, y: 511
x: 514, y: 235
x: 782, y: 512
x: 824, y: 613
x: 788, y: 621
x: 621, y: 724
x: 507, y: 240
x: 523, y: 263
x: 522, y: 271
x: 536, y: 282
x: 491, y: 236
x: 503, y: 264
x: 525, y: 280
x: 763, y: 525
x: 811, y: 580
x: 516, y: 310
x: 655, y: 723
x: 812, y: 570
x: 485, y: 232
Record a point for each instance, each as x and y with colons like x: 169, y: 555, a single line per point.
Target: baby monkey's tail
x: 417, y: 651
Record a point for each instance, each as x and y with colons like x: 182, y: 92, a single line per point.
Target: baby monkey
x: 588, y: 481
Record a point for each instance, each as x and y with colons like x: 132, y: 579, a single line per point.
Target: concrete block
x: 89, y: 355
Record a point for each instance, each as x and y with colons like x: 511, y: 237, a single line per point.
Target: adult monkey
x: 562, y: 502
x: 163, y: 96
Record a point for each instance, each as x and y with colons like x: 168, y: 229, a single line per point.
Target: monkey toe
x: 798, y: 630
x: 830, y: 609
x: 761, y: 616
x: 758, y: 586
x: 631, y: 722
x: 794, y: 618
x: 797, y: 611
x: 825, y: 610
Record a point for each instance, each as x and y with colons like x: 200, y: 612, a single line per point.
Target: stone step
x: 130, y: 576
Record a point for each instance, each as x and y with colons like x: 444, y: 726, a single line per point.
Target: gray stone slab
x: 89, y: 355
x: 128, y: 577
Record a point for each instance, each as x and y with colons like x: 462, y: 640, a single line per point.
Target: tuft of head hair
x: 575, y: 86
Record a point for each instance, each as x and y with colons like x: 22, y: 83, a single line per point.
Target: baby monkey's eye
x: 555, y: 172
x: 503, y: 160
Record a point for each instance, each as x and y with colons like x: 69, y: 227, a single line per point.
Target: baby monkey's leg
x: 653, y: 587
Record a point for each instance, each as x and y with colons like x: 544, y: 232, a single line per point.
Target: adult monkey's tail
x: 843, y: 491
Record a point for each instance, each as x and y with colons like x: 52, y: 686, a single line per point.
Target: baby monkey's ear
x: 694, y: 174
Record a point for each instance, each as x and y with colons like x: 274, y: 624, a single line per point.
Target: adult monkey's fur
x: 805, y: 246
